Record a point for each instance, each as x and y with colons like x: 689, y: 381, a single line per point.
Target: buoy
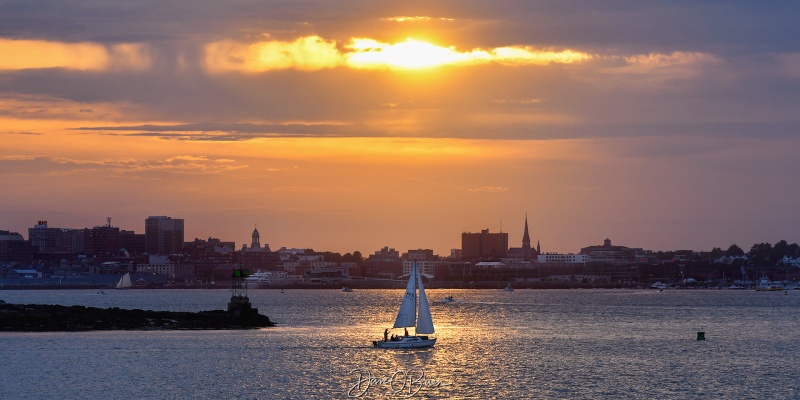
x: 701, y: 336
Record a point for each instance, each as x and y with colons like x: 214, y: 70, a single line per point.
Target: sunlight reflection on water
x: 527, y: 344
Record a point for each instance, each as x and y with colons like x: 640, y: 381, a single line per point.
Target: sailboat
x: 124, y: 282
x: 412, y: 314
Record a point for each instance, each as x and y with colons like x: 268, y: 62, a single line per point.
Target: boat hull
x: 407, y: 342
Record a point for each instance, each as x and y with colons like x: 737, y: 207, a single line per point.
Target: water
x: 553, y: 344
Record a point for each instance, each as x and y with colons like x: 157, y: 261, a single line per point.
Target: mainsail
x: 124, y: 282
x: 408, y: 308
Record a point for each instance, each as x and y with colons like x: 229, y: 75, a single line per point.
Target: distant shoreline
x: 391, y: 285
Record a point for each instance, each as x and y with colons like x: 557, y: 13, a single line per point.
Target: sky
x: 354, y: 125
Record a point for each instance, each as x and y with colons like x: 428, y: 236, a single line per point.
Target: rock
x: 53, y: 318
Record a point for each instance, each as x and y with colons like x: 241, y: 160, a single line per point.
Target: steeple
x: 256, y: 239
x: 526, y: 238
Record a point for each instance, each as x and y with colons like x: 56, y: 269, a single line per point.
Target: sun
x: 411, y: 54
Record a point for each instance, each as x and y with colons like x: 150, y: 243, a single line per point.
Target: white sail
x: 124, y: 282
x: 407, y: 315
x: 424, y: 321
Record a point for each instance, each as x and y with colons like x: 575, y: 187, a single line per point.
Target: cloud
x: 518, y: 101
x: 85, y: 56
x: 655, y: 61
x: 416, y: 19
x: 308, y: 53
x: 21, y: 133
x: 230, y: 131
x: 313, y: 53
x: 49, y: 165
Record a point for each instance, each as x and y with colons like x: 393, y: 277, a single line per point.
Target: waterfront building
x: 163, y: 235
x: 327, y: 276
x: 553, y: 258
x: 24, y: 273
x: 610, y: 254
x: 484, y: 245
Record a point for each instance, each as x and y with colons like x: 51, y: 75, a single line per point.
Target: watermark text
x: 402, y: 383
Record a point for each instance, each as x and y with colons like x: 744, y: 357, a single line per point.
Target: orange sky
x: 355, y: 133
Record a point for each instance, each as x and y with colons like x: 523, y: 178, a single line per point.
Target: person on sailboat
x: 385, y: 334
x: 406, y: 329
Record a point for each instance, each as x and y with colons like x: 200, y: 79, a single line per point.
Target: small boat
x: 124, y: 282
x: 765, y: 285
x: 659, y: 286
x: 347, y: 289
x: 412, y: 314
x: 448, y: 299
x: 508, y: 288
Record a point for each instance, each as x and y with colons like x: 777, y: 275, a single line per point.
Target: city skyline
x: 255, y: 237
x: 358, y: 125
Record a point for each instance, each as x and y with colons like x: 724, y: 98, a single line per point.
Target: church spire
x: 526, y: 238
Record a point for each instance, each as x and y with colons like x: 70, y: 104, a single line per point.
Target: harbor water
x: 527, y: 344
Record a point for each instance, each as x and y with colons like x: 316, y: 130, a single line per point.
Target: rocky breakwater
x: 53, y: 318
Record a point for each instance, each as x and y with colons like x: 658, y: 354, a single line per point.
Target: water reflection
x: 526, y: 344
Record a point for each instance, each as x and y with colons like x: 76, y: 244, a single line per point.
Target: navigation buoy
x: 701, y: 336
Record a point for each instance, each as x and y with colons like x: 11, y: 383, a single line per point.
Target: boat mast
x: 415, y: 296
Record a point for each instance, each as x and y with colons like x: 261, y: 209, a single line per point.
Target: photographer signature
x: 401, y: 383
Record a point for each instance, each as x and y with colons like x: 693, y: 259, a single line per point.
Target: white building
x: 427, y: 268
x: 562, y: 258
x: 162, y: 269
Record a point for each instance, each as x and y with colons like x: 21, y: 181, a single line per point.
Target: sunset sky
x: 354, y: 125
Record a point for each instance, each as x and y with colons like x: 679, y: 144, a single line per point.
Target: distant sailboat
x: 410, y: 315
x: 124, y: 282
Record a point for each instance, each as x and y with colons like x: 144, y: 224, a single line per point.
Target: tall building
x: 484, y: 245
x: 101, y: 240
x: 45, y: 239
x: 132, y: 243
x: 163, y: 235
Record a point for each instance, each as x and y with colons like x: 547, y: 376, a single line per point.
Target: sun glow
x: 411, y: 54
x: 313, y: 53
